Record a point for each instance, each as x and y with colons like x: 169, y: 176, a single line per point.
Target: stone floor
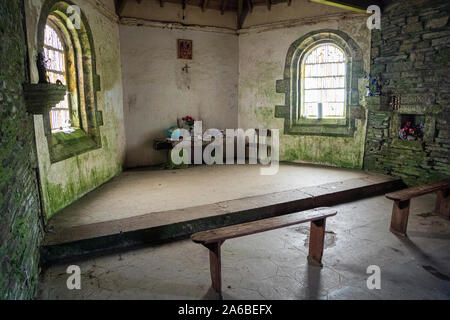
x: 272, y: 265
x: 139, y: 192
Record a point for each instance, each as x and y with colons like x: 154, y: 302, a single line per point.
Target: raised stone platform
x: 105, y: 236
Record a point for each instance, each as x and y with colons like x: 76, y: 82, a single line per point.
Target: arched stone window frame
x: 83, y: 83
x: 290, y: 85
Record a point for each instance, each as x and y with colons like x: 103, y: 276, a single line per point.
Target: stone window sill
x: 65, y: 146
x: 322, y: 122
x: 323, y: 127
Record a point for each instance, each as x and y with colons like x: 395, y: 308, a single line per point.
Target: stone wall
x: 262, y: 58
x: 157, y: 90
x: 411, y: 58
x: 65, y: 181
x: 20, y: 226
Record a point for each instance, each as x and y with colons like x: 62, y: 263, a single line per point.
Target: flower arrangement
x: 188, y: 120
x: 411, y: 132
x: 373, y: 88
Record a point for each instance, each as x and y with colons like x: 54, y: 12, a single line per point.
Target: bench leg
x: 443, y: 203
x: 399, y: 220
x: 215, y: 266
x: 316, y: 241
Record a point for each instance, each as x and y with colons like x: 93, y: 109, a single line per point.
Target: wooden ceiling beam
x: 250, y: 5
x: 240, y: 8
x: 243, y: 11
x: 204, y: 5
x: 161, y: 3
x: 289, y: 2
x: 222, y: 7
x: 120, y: 5
x: 353, y: 5
x: 269, y: 4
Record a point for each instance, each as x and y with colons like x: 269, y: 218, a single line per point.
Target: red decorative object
x: 184, y: 49
x: 188, y: 120
x: 412, y: 131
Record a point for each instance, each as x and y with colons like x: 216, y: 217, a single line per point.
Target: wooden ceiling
x: 244, y: 7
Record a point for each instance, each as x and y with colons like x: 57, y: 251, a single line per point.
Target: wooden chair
x: 402, y: 199
x: 213, y: 239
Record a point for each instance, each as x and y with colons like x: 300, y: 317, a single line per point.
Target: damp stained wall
x: 262, y: 55
x: 65, y: 181
x: 157, y: 91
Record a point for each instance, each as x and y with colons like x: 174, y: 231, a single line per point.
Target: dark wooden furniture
x: 213, y: 239
x: 402, y: 198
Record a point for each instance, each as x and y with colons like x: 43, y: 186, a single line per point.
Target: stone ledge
x: 40, y: 98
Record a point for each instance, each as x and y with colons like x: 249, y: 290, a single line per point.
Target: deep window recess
x: 320, y: 85
x: 72, y: 127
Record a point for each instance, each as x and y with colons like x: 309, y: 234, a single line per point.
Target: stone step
x: 111, y: 236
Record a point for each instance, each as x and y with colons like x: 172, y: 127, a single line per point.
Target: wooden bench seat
x: 213, y: 239
x: 402, y: 198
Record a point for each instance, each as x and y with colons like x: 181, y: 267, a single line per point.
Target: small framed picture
x: 184, y: 49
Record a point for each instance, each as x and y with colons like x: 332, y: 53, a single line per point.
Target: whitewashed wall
x: 157, y: 91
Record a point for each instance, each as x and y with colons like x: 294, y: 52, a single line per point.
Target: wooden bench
x: 213, y: 239
x: 402, y: 198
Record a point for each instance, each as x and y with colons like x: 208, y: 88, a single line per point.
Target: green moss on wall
x: 60, y: 195
x: 20, y: 226
x: 411, y: 47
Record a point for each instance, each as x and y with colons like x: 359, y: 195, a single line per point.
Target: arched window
x: 323, y: 83
x: 65, y: 39
x: 320, y: 83
x: 55, y: 53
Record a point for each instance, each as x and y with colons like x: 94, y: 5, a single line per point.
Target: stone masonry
x: 20, y: 226
x: 411, y: 58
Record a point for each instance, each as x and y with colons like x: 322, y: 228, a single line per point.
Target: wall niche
x: 412, y: 127
x: 408, y: 127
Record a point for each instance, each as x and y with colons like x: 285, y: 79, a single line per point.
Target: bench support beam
x: 316, y: 242
x: 400, y: 214
x: 215, y: 264
x: 443, y: 203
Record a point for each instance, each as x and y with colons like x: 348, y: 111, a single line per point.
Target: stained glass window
x: 55, y: 63
x: 324, y: 77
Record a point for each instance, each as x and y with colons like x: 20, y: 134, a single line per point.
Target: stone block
x: 437, y: 23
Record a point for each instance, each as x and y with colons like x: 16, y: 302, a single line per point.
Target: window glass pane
x: 325, y: 54
x: 311, y: 110
x: 324, y: 79
x: 51, y: 38
x: 56, y: 71
x: 333, y: 110
x: 325, y: 82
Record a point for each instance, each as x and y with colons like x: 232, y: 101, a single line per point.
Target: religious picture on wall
x: 185, y: 49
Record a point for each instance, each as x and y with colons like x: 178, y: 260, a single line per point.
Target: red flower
x: 408, y: 124
x: 411, y: 131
